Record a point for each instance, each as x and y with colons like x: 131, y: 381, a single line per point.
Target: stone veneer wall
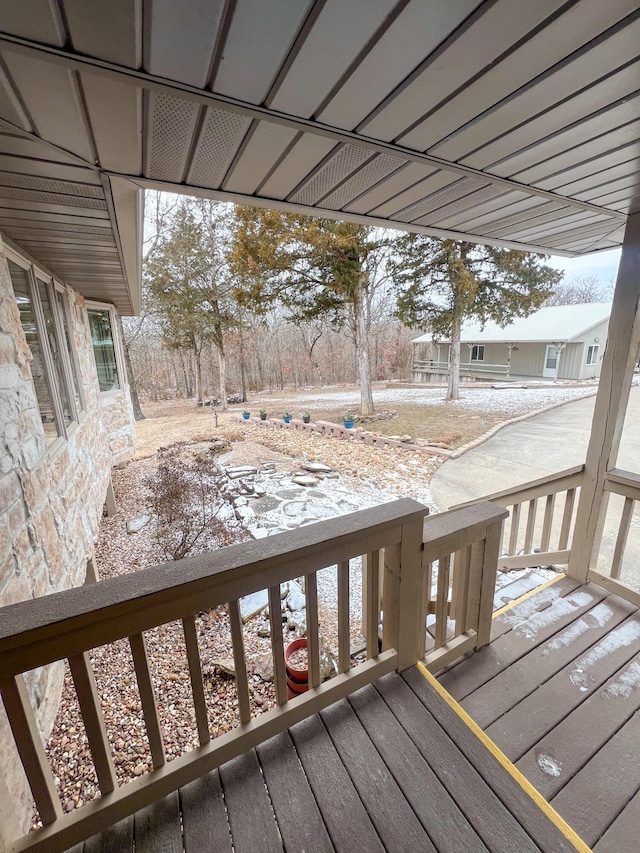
x: 51, y: 503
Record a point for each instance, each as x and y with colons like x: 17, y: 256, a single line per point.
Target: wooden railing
x: 466, y: 367
x: 541, y: 515
x: 459, y: 561
x: 626, y: 485
x: 68, y: 625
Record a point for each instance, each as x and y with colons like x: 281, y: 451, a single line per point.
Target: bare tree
x: 588, y: 288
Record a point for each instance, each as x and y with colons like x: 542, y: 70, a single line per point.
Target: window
x: 104, y: 349
x: 477, y: 352
x: 56, y: 351
x: 20, y: 279
x: 592, y: 354
x: 62, y: 311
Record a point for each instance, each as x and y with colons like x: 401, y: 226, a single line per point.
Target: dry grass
x: 181, y: 420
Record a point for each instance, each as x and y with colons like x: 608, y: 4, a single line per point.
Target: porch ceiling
x: 504, y: 121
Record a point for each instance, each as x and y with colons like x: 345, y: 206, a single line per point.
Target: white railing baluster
x: 442, y: 600
x: 148, y: 699
x: 344, y: 636
x: 371, y: 568
x: 623, y: 534
x: 195, y: 675
x: 277, y: 645
x: 513, y: 535
x: 239, y: 660
x: 531, y: 522
x: 30, y: 748
x: 313, y: 629
x: 567, y: 517
x: 87, y: 693
x: 547, y: 523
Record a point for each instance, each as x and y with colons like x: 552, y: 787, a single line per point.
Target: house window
x: 477, y: 352
x: 62, y: 311
x: 56, y: 352
x: 592, y: 354
x: 40, y: 372
x: 104, y: 350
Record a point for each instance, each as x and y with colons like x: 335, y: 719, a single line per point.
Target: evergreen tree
x: 443, y: 282
x: 316, y: 269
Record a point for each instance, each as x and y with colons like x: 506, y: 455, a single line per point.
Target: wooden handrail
x: 43, y: 630
x: 539, y: 488
x: 624, y: 483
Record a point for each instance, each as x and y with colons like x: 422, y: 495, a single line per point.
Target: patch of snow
x: 549, y: 765
x: 511, y: 401
x: 625, y: 683
x: 622, y: 636
x: 546, y: 618
x: 599, y: 616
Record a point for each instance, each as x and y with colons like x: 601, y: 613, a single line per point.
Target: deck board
x: 296, y: 810
x: 534, y: 604
x: 441, y: 817
x: 530, y: 720
x: 493, y: 822
x: 538, y: 826
x: 342, y: 810
x: 390, y: 768
x: 157, y: 827
x: 567, y: 708
x: 116, y: 839
x: 473, y: 672
x: 623, y: 832
x: 609, y: 780
x: 248, y: 806
x: 573, y: 742
x: 514, y: 683
x: 204, y: 817
x: 392, y: 816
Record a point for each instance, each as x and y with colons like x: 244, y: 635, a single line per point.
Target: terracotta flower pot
x: 297, y: 677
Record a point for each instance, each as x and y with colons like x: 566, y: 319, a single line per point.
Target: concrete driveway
x: 546, y: 444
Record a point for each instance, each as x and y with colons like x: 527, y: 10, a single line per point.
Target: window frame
x: 72, y: 362
x: 117, y: 345
x: 37, y: 275
x: 594, y: 349
x: 477, y: 347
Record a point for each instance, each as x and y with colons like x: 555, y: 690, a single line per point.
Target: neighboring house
x: 558, y: 342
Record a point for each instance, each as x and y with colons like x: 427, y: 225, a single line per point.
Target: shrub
x: 186, y: 496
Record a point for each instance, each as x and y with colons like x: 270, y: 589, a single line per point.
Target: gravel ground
x: 376, y: 474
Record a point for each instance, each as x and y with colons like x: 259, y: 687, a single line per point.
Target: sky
x: 603, y: 266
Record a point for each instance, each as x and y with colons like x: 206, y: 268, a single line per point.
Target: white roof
x: 556, y: 323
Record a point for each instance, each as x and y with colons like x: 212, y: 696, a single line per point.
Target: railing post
x: 620, y: 359
x: 488, y: 583
x: 410, y: 630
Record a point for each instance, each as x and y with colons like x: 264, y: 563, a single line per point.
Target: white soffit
x: 505, y: 121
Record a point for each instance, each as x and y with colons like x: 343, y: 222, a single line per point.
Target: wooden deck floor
x: 392, y: 768
x: 558, y: 690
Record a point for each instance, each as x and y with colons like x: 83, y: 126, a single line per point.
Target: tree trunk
x: 198, y: 366
x: 222, y: 361
x: 453, y: 391
x: 362, y: 357
x: 133, y: 388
